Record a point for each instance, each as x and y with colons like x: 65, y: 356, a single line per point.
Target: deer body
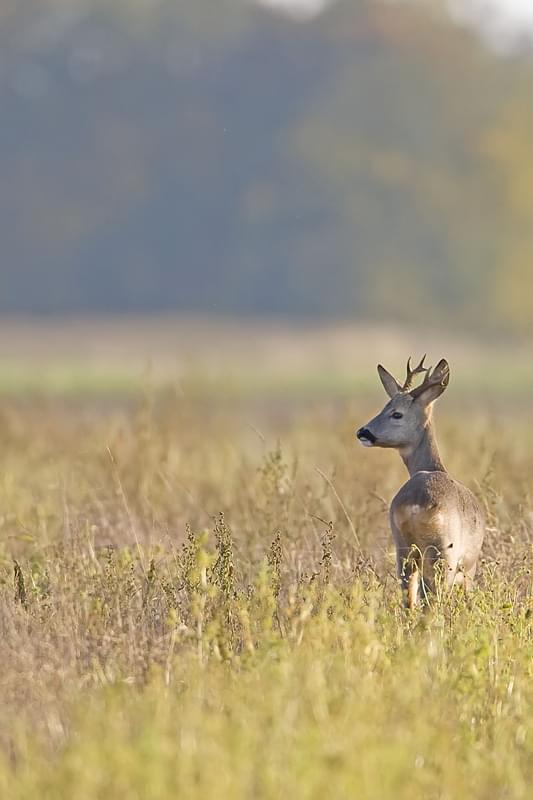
x: 435, y: 520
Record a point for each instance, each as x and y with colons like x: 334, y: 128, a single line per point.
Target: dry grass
x: 264, y: 651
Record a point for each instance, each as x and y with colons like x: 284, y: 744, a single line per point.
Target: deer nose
x: 363, y: 434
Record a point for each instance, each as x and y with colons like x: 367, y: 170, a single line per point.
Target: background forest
x: 370, y: 162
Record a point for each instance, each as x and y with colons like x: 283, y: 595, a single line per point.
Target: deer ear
x: 434, y: 385
x: 390, y: 384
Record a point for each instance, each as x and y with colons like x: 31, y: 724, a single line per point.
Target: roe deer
x: 434, y: 518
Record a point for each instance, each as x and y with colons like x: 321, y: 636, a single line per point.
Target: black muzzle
x: 364, y: 433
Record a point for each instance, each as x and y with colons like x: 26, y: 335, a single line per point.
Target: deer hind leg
x: 469, y: 580
x: 464, y: 578
x: 421, y: 573
x: 413, y: 588
x: 409, y: 574
x: 433, y: 571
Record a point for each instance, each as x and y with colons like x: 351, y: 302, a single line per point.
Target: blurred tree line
x: 211, y: 155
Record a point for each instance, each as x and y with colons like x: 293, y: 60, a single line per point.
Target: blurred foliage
x: 212, y: 155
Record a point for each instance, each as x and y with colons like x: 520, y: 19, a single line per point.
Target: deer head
x: 403, y: 421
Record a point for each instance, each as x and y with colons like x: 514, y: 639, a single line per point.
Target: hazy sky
x: 503, y: 21
x: 305, y: 7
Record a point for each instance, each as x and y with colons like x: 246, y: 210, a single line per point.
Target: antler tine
x: 412, y: 372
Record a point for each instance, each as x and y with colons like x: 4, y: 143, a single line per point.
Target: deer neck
x: 425, y: 454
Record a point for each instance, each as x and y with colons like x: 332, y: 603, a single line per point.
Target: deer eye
x: 396, y: 415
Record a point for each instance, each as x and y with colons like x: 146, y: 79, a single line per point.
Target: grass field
x: 103, y: 356
x: 198, y: 601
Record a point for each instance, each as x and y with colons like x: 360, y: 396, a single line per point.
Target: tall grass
x: 200, y: 602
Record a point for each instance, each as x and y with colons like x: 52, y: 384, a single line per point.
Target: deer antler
x: 439, y: 377
x: 412, y: 372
